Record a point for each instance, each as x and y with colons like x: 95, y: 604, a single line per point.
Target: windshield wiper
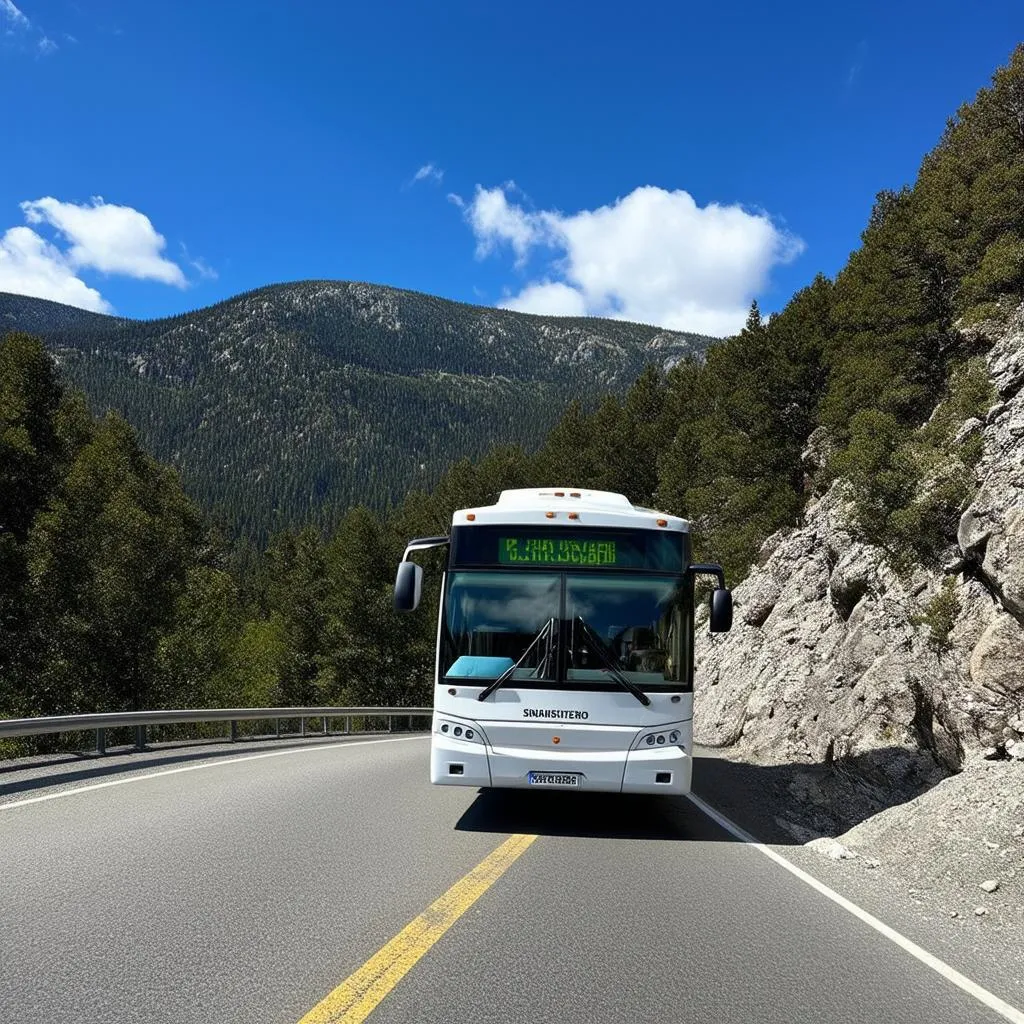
x: 545, y: 632
x: 610, y: 665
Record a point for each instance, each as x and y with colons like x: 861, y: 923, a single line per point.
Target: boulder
x: 968, y: 429
x: 997, y: 662
x: 851, y: 579
x: 974, y: 530
x: 759, y: 599
x: 1006, y: 359
x: 1003, y: 565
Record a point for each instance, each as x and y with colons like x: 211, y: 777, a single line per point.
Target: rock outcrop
x: 828, y: 660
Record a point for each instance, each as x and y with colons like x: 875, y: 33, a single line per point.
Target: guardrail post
x: 326, y: 724
x: 410, y: 723
x: 389, y: 723
x: 302, y: 727
x: 140, y: 737
x: 277, y: 727
x: 234, y: 730
x: 348, y: 725
x: 101, y: 741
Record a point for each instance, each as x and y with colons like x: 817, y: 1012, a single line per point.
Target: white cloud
x: 19, y: 31
x: 199, y: 265
x: 553, y: 297
x: 111, y: 239
x: 203, y: 269
x: 12, y: 16
x: 856, y: 66
x: 495, y: 220
x: 99, y: 236
x: 29, y: 265
x: 653, y: 256
x: 428, y: 171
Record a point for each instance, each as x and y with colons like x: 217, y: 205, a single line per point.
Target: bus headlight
x: 669, y: 736
x: 461, y: 731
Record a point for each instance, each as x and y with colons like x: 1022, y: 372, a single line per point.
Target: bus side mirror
x: 721, y: 610
x: 408, y: 586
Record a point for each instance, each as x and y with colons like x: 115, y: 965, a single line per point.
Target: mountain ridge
x: 30, y: 314
x: 288, y: 403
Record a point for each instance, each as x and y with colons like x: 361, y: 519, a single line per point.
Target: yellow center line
x: 357, y: 996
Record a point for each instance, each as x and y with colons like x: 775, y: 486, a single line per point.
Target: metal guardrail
x: 12, y: 728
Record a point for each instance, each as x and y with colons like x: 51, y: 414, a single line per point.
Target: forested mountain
x: 288, y: 404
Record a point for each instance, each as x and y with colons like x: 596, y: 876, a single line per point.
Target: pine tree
x: 108, y: 558
x: 566, y: 458
x: 297, y: 593
x: 753, y: 323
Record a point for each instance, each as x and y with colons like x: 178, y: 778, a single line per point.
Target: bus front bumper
x: 455, y: 762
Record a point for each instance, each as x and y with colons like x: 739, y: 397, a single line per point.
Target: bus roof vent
x: 530, y: 497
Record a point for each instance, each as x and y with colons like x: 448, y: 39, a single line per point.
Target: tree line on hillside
x: 293, y: 402
x: 270, y: 451
x: 116, y: 593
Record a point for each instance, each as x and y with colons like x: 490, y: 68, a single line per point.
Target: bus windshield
x: 637, y: 620
x: 579, y: 625
x: 491, y: 618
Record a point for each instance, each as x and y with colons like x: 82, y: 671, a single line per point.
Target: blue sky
x: 670, y: 160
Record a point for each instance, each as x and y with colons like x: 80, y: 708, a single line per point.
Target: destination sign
x: 556, y: 551
x: 567, y: 548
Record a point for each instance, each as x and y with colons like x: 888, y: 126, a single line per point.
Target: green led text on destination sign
x: 551, y: 551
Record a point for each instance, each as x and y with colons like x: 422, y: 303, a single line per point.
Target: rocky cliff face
x: 825, y: 662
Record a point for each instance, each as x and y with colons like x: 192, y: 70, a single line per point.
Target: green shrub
x: 969, y: 394
x: 939, y: 615
x: 909, y: 487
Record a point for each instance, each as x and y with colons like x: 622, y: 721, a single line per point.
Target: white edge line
x: 972, y: 988
x: 194, y: 768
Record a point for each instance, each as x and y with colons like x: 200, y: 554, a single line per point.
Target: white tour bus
x: 564, y: 644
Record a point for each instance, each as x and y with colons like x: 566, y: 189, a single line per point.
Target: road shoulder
x: 905, y: 865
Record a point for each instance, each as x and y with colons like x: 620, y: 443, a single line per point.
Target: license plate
x: 557, y: 780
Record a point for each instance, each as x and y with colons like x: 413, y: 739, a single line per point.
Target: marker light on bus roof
x: 575, y: 494
x: 550, y: 515
x: 559, y: 494
x: 661, y: 522
x: 574, y: 515
x: 471, y: 516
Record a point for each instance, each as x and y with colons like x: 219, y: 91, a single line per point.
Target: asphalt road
x: 247, y: 890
